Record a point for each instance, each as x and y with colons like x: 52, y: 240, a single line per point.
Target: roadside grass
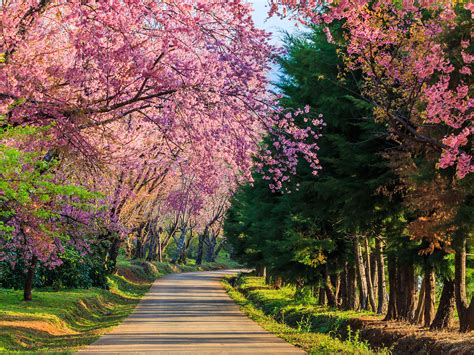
x: 287, y: 306
x: 63, y: 321
x: 312, y: 328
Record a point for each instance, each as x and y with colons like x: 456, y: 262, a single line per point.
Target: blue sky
x: 275, y: 25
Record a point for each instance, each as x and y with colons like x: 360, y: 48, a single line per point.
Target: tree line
x: 381, y: 227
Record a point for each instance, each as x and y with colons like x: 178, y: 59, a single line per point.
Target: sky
x: 275, y: 25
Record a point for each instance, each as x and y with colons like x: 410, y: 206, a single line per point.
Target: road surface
x: 189, y: 313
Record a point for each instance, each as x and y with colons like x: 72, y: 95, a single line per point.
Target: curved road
x: 189, y: 313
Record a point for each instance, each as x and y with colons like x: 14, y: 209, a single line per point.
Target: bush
x: 76, y: 271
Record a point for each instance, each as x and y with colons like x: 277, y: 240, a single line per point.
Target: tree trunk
x: 114, y: 252
x: 180, y: 247
x: 361, y: 276
x: 322, y: 295
x: 159, y: 248
x: 420, y: 308
x: 374, y: 275
x: 430, y: 295
x: 152, y: 244
x: 336, y: 282
x: 343, y: 298
x: 268, y: 278
x: 151, y: 255
x: 381, y: 289
x: 200, y: 250
x: 261, y: 270
x: 187, y: 246
x: 329, y: 289
x: 406, y: 289
x: 352, y: 287
x: 465, y: 312
x: 140, y: 250
x: 370, y: 289
x: 29, y: 278
x: 392, y: 312
x: 445, y: 314
x: 211, y: 248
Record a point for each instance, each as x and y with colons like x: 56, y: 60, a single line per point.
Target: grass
x: 63, y: 321
x: 307, y: 326
x: 286, y: 305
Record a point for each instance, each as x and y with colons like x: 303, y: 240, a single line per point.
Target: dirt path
x: 189, y: 313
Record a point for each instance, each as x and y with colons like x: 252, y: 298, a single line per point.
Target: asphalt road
x: 189, y: 313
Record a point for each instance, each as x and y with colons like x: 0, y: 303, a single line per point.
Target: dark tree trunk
x: 368, y: 272
x: 211, y: 249
x: 268, y: 278
x: 336, y: 282
x: 343, y: 299
x: 180, y: 247
x: 329, y: 289
x: 140, y: 250
x: 465, y: 312
x: 374, y: 273
x: 381, y: 289
x: 114, y: 252
x: 29, y: 278
x: 322, y: 296
x: 261, y: 270
x: 152, y: 244
x: 445, y: 314
x: 200, y: 249
x: 430, y: 296
x: 392, y: 312
x: 406, y: 289
x: 352, y: 287
x: 361, y: 275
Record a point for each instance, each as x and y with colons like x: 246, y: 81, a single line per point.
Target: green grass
x: 310, y: 327
x: 63, y: 321
x: 284, y: 305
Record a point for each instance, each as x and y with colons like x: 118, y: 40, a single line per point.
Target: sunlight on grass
x: 309, y: 327
x: 58, y: 321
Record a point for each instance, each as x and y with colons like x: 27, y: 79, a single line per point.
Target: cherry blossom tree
x: 416, y: 59
x: 40, y: 214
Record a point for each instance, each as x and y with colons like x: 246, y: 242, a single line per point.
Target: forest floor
x: 62, y: 321
x: 318, y: 329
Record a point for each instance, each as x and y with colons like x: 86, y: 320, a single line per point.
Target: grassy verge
x: 309, y: 327
x: 62, y: 321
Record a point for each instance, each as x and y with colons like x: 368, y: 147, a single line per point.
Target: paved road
x: 189, y: 313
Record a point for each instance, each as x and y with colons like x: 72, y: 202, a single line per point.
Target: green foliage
x: 27, y: 183
x: 297, y: 233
